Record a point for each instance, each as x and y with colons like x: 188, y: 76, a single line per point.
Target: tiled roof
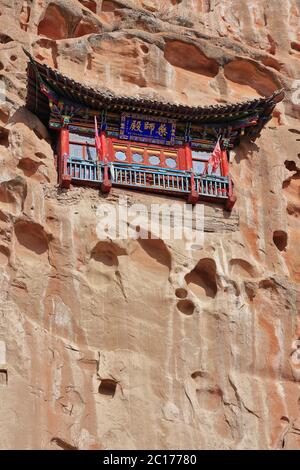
x: 101, y: 98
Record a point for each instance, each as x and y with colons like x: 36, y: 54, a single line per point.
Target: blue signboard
x: 142, y: 128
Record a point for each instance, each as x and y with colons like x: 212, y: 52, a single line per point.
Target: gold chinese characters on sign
x: 147, y: 129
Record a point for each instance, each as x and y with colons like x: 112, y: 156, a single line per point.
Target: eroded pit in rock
x: 189, y: 57
x: 186, y: 307
x: 107, y: 388
x: 54, y: 24
x: 31, y: 237
x: 280, y: 239
x: 181, y: 293
x: 202, y: 279
x: 90, y: 4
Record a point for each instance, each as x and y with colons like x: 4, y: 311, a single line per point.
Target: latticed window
x: 200, y: 159
x: 82, y: 147
x: 143, y: 155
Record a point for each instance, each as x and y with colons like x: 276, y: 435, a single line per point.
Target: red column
x: 231, y: 197
x: 193, y: 196
x: 188, y: 157
x: 224, y: 163
x: 106, y: 184
x: 103, y: 147
x: 64, y: 178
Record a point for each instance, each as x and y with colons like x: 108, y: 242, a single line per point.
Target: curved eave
x: 89, y: 97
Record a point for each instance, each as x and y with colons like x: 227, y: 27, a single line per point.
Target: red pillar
x: 106, y: 184
x: 188, y: 157
x: 224, y: 163
x: 193, y: 196
x: 103, y: 147
x: 231, y: 197
x: 64, y: 178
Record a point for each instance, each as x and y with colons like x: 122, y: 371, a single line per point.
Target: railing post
x: 231, y: 197
x: 64, y: 178
x: 106, y: 183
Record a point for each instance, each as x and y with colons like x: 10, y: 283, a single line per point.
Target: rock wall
x: 140, y: 343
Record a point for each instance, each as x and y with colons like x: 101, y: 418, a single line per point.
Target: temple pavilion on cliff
x: 143, y: 144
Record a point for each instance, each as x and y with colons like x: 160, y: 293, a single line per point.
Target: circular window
x: 137, y: 157
x: 171, y: 162
x: 121, y: 156
x: 154, y: 160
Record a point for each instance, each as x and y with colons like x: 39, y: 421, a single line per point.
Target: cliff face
x: 140, y: 343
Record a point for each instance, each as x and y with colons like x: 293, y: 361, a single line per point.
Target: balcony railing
x: 84, y: 170
x: 212, y: 186
x: 150, y: 178
x: 155, y: 179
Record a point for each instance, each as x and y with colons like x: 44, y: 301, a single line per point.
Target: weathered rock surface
x: 140, y: 343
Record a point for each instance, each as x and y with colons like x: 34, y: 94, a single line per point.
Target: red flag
x: 97, y: 139
x: 215, y: 159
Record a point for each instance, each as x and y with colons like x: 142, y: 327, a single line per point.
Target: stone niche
x: 3, y: 377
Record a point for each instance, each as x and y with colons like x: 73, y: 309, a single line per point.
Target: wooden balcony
x: 153, y: 179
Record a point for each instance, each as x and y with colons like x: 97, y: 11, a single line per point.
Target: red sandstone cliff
x: 137, y: 344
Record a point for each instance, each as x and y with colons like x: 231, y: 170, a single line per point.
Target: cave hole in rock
x: 285, y: 419
x: 4, y: 133
x: 157, y: 250
x: 268, y: 284
x: 107, y: 388
x: 202, y: 279
x: 32, y: 237
x: 280, y: 239
x: 245, y: 72
x: 40, y: 155
x: 295, y: 46
x: 90, y: 4
x: 144, y: 49
x: 85, y: 27
x: 53, y: 25
x: 198, y: 374
x: 190, y: 57
x: 107, y: 253
x: 181, y: 293
x: 290, y: 165
x: 4, y: 39
x: 186, y: 307
x: 3, y: 377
